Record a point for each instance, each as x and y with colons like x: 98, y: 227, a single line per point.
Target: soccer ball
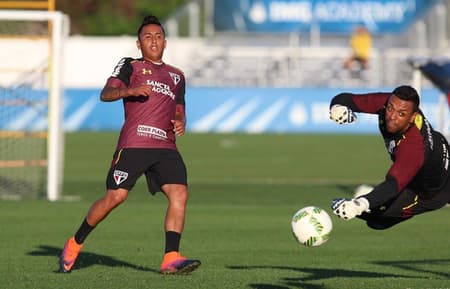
x: 311, y: 226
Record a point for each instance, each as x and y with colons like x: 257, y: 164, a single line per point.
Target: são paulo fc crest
x: 119, y: 176
x: 175, y: 77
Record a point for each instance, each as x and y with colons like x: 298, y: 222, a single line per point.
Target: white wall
x: 89, y: 61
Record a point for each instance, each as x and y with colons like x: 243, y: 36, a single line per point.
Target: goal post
x: 438, y: 74
x: 31, y: 103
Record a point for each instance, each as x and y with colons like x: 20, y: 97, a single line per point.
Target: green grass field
x: 244, y: 190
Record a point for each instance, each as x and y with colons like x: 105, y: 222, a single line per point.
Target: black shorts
x: 160, y: 166
x: 406, y: 205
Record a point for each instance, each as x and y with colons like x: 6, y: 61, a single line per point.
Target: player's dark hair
x: 150, y: 19
x: 408, y: 93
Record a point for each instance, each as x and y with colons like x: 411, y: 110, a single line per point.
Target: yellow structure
x: 37, y: 5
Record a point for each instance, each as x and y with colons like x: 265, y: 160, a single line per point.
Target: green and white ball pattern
x: 311, y: 226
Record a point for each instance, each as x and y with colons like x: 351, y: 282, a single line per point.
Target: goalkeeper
x: 418, y: 180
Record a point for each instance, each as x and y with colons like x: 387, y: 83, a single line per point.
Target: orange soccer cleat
x: 174, y: 263
x: 69, y: 255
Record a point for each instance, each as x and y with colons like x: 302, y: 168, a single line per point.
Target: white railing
x: 274, y: 66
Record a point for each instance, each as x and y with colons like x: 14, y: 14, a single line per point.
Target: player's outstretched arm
x: 114, y: 93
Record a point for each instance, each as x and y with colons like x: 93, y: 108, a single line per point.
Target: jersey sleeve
x: 382, y: 192
x: 366, y: 103
x: 180, y: 97
x: 122, y: 72
x: 408, y: 159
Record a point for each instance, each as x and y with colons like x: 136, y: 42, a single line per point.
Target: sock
x: 83, y: 232
x: 172, y: 241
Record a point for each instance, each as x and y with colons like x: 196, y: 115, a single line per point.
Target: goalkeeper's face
x: 400, y: 115
x: 152, y: 42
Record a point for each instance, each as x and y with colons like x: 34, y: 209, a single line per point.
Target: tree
x: 114, y: 17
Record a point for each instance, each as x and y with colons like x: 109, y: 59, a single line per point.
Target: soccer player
x: 418, y: 180
x: 153, y: 97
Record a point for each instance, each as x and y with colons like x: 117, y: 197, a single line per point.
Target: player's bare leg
x: 177, y: 196
x: 98, y: 211
x: 103, y: 206
x: 174, y: 262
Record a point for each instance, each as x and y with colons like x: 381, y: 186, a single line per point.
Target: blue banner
x: 381, y: 16
x: 219, y: 110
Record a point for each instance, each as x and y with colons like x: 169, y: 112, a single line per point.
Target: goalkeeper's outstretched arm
x: 383, y: 192
x: 365, y: 102
x: 345, y: 99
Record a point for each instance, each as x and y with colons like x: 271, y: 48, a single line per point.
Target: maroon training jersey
x: 148, y: 119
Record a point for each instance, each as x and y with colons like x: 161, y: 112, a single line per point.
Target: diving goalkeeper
x: 418, y: 180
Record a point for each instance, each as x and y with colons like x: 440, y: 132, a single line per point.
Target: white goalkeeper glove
x: 349, y: 208
x: 342, y: 114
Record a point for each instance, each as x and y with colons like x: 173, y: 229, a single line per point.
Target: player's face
x: 152, y: 42
x: 399, y: 115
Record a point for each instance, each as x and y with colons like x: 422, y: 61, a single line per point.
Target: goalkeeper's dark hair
x: 150, y: 19
x: 408, y: 93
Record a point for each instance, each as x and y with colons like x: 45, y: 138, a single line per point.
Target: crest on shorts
x: 119, y: 176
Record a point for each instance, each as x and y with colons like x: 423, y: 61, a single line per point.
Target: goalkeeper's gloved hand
x: 349, y: 208
x: 342, y: 114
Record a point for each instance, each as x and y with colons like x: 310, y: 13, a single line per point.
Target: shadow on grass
x: 417, y: 266
x: 314, y: 274
x: 86, y: 259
